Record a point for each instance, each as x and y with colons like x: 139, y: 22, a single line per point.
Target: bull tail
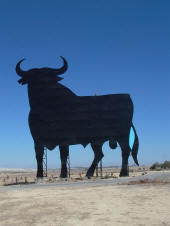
x: 135, y: 146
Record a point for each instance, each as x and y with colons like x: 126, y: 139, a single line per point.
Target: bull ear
x: 22, y: 81
x: 59, y: 78
x: 19, y: 71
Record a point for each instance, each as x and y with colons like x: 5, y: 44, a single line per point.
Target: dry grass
x: 147, y: 181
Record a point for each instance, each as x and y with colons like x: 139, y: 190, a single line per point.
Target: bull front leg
x: 39, y: 151
x: 98, y: 155
x: 64, y: 152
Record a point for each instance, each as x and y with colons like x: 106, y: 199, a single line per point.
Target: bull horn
x: 63, y: 68
x: 19, y: 71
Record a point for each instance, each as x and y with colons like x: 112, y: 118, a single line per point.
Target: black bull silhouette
x: 59, y: 117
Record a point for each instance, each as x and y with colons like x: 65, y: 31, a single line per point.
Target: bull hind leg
x: 124, y: 144
x: 39, y: 151
x: 64, y: 152
x: 98, y: 155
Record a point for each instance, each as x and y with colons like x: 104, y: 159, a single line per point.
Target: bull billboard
x: 60, y: 117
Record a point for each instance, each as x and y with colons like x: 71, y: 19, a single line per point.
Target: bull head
x: 40, y: 74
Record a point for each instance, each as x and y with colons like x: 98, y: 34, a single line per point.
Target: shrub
x: 166, y: 165
x: 156, y: 166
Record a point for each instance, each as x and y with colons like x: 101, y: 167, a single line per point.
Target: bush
x: 166, y: 165
x: 158, y: 166
x: 155, y: 166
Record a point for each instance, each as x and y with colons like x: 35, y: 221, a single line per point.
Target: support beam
x: 99, y: 166
x: 101, y: 169
x: 45, y: 163
x: 97, y: 171
x: 68, y: 166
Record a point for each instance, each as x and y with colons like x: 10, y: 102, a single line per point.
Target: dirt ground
x: 131, y: 204
x: 10, y: 177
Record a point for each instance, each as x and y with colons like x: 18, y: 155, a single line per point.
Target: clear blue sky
x: 111, y: 46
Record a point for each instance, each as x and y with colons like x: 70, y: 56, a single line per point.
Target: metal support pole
x: 101, y: 169
x: 97, y: 171
x: 97, y: 168
x: 45, y: 163
x: 68, y: 165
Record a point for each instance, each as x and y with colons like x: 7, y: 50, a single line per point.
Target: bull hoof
x: 39, y: 175
x: 89, y: 175
x: 124, y: 173
x: 63, y: 175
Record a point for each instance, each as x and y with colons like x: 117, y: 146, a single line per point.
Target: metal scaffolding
x: 99, y: 166
x: 45, y: 163
x: 97, y: 171
x: 101, y: 169
x: 68, y: 165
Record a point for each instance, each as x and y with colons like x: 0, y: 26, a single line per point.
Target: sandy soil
x: 92, y: 205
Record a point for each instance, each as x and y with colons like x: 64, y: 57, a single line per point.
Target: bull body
x: 59, y: 117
